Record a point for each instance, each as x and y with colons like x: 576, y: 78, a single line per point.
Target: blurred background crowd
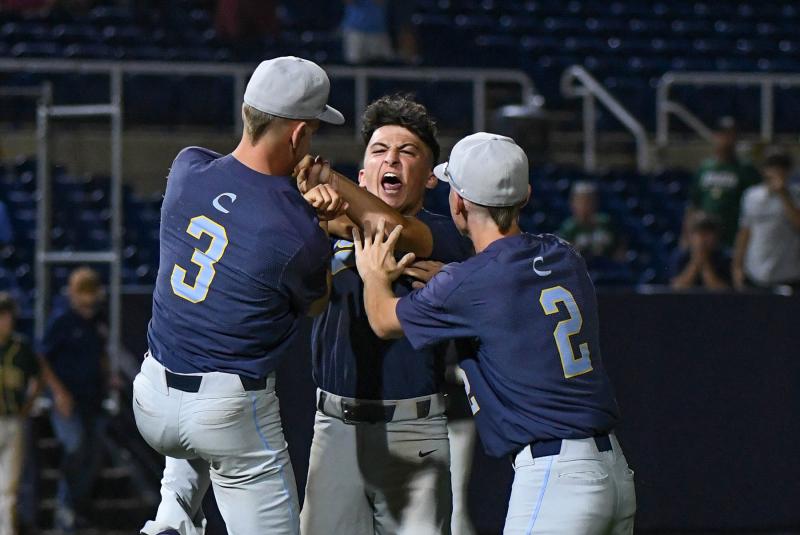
x: 713, y: 206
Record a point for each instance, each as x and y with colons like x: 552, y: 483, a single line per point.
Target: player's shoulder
x: 196, y: 154
x: 192, y: 158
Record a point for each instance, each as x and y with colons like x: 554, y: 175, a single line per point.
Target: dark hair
x: 703, y: 222
x: 781, y: 160
x: 401, y: 110
x: 7, y: 304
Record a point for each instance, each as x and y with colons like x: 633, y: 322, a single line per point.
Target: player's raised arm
x: 363, y: 209
x: 378, y: 269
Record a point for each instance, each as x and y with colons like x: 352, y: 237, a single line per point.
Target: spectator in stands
x: 365, y: 33
x: 768, y: 244
x: 590, y: 231
x: 404, y: 33
x: 247, y: 21
x: 74, y: 346
x: 720, y: 183
x: 703, y: 264
x: 19, y: 369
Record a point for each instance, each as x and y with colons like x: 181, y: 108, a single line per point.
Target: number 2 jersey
x: 528, y: 303
x: 242, y: 257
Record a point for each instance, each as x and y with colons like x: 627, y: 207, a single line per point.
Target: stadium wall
x: 708, y: 386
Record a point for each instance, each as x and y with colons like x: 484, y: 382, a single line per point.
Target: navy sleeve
x: 304, y: 278
x: 54, y: 335
x: 437, y: 312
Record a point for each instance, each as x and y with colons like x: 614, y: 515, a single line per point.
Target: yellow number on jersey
x: 549, y: 300
x: 198, y: 291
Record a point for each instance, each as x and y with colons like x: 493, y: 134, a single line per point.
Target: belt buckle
x: 348, y: 410
x: 366, y: 413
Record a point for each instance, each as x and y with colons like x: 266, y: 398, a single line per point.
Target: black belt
x: 545, y: 448
x: 369, y: 413
x: 191, y: 383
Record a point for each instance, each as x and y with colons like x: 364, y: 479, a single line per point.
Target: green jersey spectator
x: 721, y: 182
x: 590, y: 232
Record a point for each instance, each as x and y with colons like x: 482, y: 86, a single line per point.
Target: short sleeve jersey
x: 242, y: 257
x: 597, y: 240
x: 528, y: 303
x: 75, y: 346
x: 349, y: 359
x: 718, y: 190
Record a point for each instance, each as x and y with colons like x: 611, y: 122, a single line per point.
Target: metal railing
x: 45, y: 256
x: 577, y: 82
x: 766, y: 82
x: 240, y: 73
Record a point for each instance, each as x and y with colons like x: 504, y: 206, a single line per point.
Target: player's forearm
x: 381, y: 304
x: 365, y: 209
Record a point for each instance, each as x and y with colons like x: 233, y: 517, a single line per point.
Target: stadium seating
x: 627, y: 45
x: 646, y: 209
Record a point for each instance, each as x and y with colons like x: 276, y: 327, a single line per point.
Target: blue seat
x: 43, y: 49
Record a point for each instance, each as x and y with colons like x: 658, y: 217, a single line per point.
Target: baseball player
x: 243, y: 257
x: 537, y: 386
x: 380, y: 455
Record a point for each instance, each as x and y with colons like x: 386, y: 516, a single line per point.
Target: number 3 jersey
x: 242, y: 257
x: 528, y: 302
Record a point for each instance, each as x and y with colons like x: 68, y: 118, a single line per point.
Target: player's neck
x: 483, y: 236
x: 259, y: 159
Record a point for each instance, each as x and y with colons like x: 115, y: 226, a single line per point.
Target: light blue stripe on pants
x: 233, y: 435
x: 581, y: 491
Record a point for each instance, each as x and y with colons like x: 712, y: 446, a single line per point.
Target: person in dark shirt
x: 19, y: 371
x: 244, y: 256
x: 536, y: 385
x: 74, y: 346
x: 704, y: 263
x: 380, y: 454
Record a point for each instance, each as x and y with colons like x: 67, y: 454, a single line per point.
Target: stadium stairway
x: 124, y: 496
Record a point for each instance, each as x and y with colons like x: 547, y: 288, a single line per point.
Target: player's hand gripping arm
x: 378, y: 269
x: 363, y: 208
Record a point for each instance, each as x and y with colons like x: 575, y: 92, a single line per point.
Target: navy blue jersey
x: 529, y: 304
x: 75, y: 346
x: 349, y: 359
x: 242, y: 258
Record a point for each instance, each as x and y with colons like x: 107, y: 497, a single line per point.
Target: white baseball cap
x: 487, y: 169
x: 292, y: 88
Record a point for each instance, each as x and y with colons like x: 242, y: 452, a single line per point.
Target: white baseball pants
x: 224, y: 434
x: 581, y: 491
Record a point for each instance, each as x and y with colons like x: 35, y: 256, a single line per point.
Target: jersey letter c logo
x: 216, y: 204
x: 541, y: 273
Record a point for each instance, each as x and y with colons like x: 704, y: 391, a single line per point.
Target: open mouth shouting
x: 391, y: 183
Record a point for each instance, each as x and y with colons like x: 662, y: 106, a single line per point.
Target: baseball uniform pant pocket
x: 248, y: 460
x: 582, y: 502
x: 156, y: 418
